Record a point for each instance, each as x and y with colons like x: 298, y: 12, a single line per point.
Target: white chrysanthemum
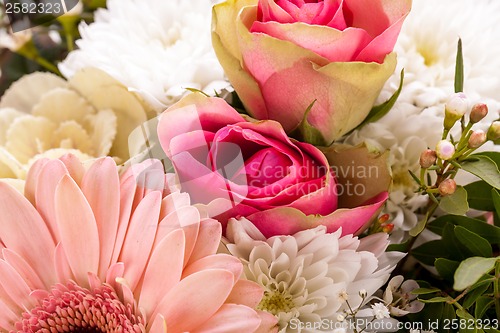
x: 42, y: 115
x: 406, y: 131
x: 427, y: 48
x: 310, y: 276
x: 156, y: 47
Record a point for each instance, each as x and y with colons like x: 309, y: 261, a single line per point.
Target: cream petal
x: 60, y: 105
x: 28, y: 136
x: 71, y: 135
x: 7, y: 116
x: 101, y: 187
x: 197, y: 297
x: 78, y: 229
x: 27, y: 91
x: 10, y: 167
x: 104, y: 127
x: 22, y: 230
x: 104, y: 92
x: 223, y: 321
x: 140, y: 237
x: 156, y: 283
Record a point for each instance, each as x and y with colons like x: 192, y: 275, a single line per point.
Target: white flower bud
x: 455, y: 108
x: 494, y: 131
x: 476, y: 139
x: 479, y: 111
x: 445, y: 150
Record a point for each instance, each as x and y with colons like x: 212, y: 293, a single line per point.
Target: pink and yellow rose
x: 240, y: 167
x: 282, y: 55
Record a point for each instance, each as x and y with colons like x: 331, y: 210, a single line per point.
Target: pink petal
x: 8, y: 317
x: 270, y: 11
x: 216, y: 261
x: 101, y: 187
x: 15, y: 286
x: 32, y: 179
x: 195, y: 299
x: 74, y: 166
x: 231, y: 318
x: 23, y: 231
x: 78, y: 229
x: 62, y: 267
x: 169, y: 254
x: 268, y: 324
x: 208, y: 240
x: 48, y: 178
x: 159, y: 325
x: 114, y: 272
x: 140, y: 237
x: 23, y: 268
x: 288, y: 221
x: 247, y: 293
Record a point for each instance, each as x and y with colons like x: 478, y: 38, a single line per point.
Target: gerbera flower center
x: 72, y: 308
x: 276, y: 301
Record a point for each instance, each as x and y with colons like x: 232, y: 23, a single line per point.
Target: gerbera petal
x: 197, y: 297
x: 32, y: 179
x: 15, y: 286
x: 215, y: 261
x: 8, y: 317
x: 23, y: 231
x: 78, y: 229
x: 222, y: 321
x: 23, y: 268
x: 168, y: 254
x: 101, y: 187
x: 210, y: 232
x: 63, y: 270
x: 140, y: 237
x: 159, y: 325
x: 247, y: 293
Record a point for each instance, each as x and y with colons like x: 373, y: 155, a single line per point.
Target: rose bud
x: 428, y: 158
x: 494, y: 131
x: 447, y: 187
x: 477, y: 139
x: 445, y: 150
x: 455, y: 108
x: 479, y: 111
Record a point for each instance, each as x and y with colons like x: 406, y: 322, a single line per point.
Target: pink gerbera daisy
x: 89, y: 251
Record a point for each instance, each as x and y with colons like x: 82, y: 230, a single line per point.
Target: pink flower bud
x: 455, y: 108
x: 428, y: 158
x: 447, y: 187
x: 479, y: 111
x: 445, y: 150
x: 477, y: 139
x: 494, y: 131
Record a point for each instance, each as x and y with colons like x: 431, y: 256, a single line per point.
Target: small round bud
x: 340, y: 317
x: 477, y: 138
x: 494, y: 131
x: 363, y: 293
x: 428, y: 158
x: 479, y: 111
x: 455, y: 108
x: 445, y: 150
x: 447, y: 187
x: 388, y: 228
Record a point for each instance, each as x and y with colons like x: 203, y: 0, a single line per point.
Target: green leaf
x: 425, y: 291
x: 428, y: 252
x: 446, y: 268
x: 459, y: 69
x: 475, y: 243
x: 402, y: 247
x: 418, y: 228
x: 489, y: 232
x: 307, y: 133
x: 483, y: 167
x: 483, y: 303
x: 438, y: 299
x: 471, y: 270
x: 456, y: 203
x: 495, y: 196
x: 381, y: 110
x: 473, y: 296
x: 478, y: 196
x: 456, y: 250
x: 493, y: 155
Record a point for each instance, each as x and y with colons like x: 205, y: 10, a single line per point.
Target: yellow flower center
x: 276, y: 301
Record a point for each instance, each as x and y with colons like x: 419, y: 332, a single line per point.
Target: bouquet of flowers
x: 249, y: 166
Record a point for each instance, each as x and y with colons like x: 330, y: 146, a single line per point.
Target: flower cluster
x: 260, y: 166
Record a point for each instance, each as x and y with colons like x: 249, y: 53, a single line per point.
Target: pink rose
x: 238, y: 167
x: 281, y: 55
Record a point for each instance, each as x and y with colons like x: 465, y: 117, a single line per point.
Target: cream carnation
x: 42, y: 115
x: 310, y: 276
x: 156, y: 47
